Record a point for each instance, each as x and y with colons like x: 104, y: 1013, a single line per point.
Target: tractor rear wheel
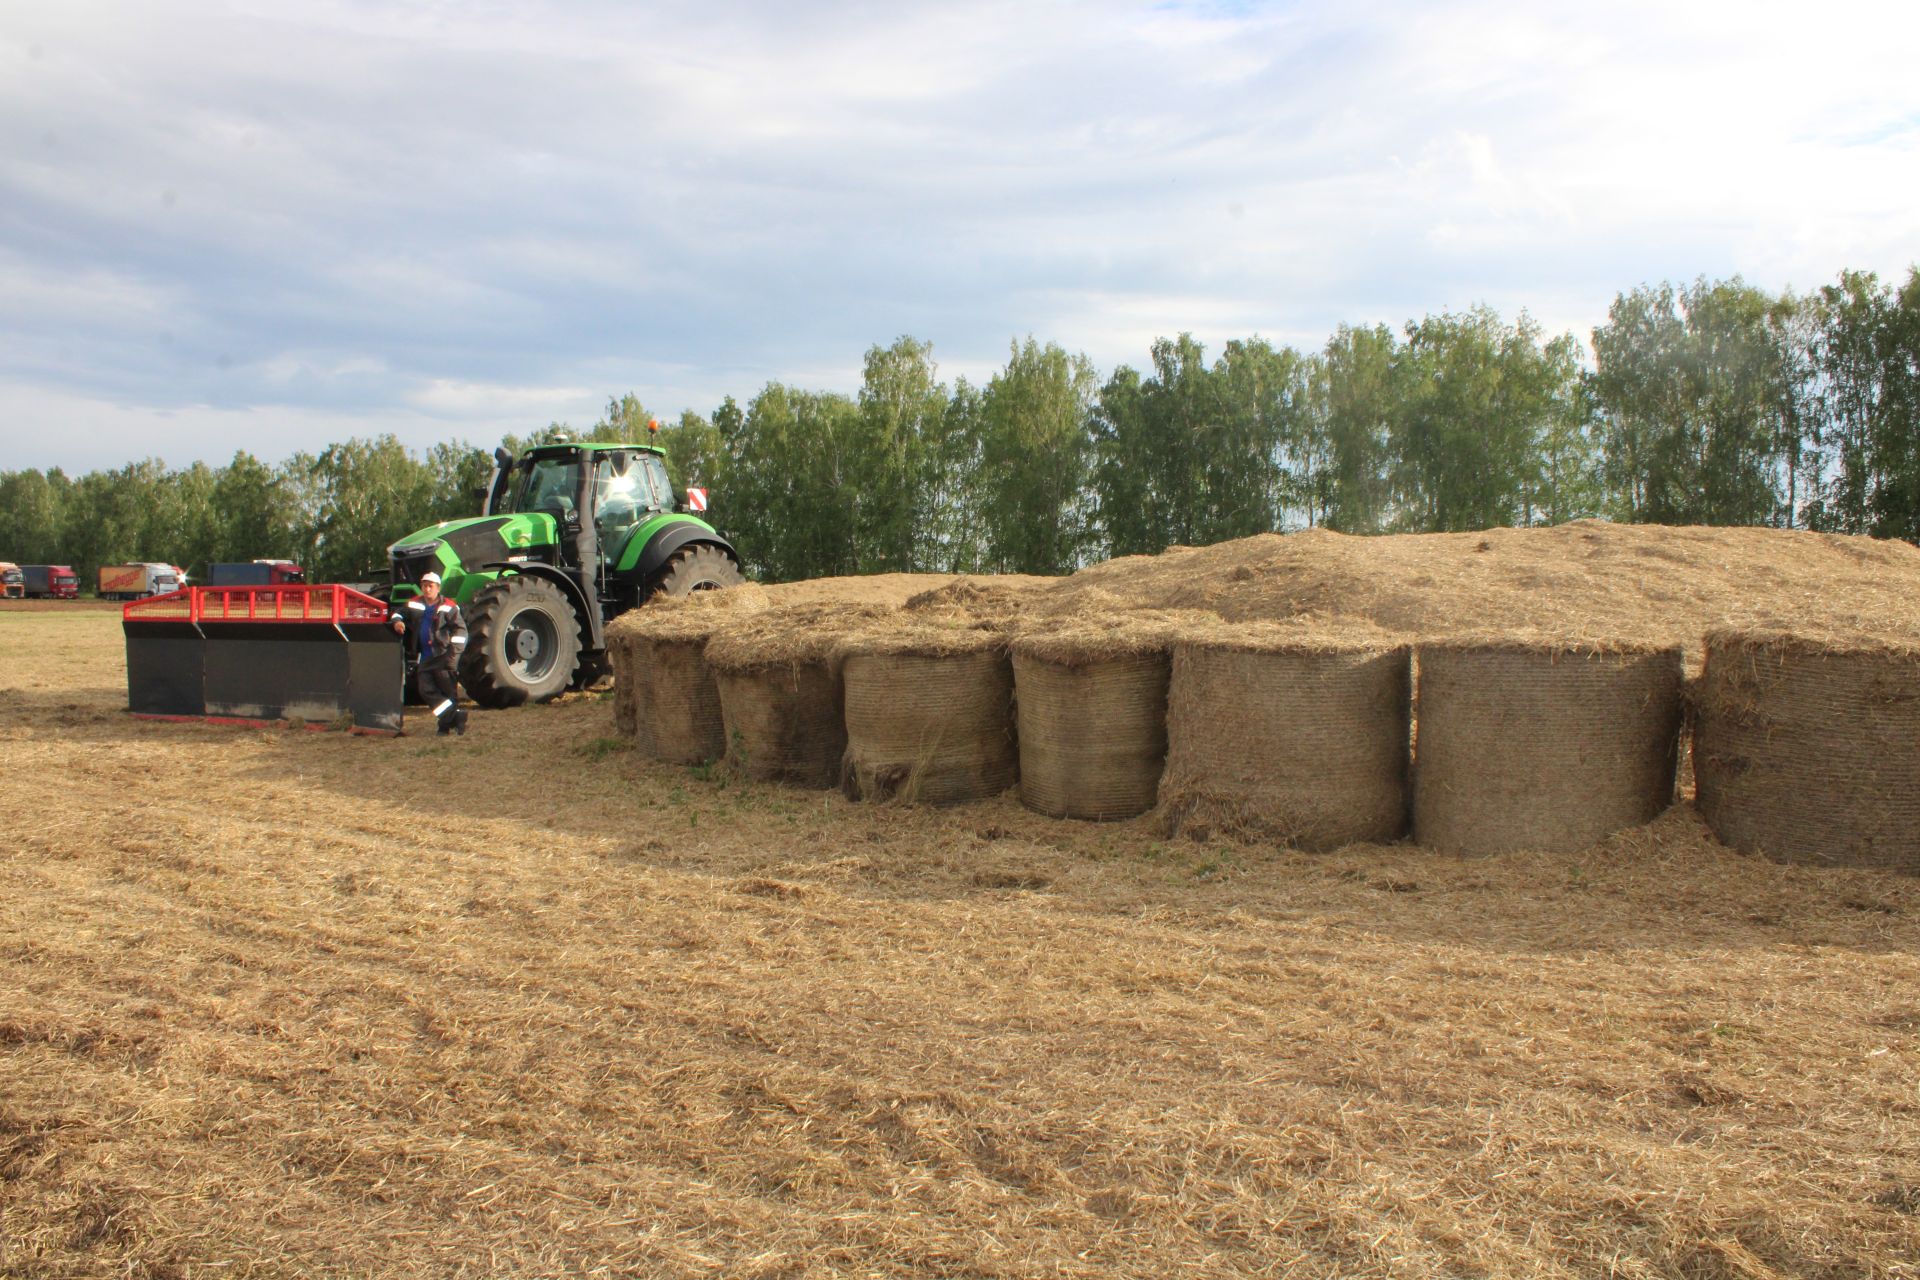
x: 701, y: 567
x: 523, y: 643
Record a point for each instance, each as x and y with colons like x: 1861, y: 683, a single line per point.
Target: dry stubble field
x: 276, y: 1003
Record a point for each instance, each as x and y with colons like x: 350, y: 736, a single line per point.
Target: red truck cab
x: 51, y: 581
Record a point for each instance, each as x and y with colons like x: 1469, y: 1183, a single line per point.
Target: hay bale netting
x: 929, y: 715
x: 1807, y: 749
x: 661, y: 672
x: 1275, y: 732
x: 626, y: 716
x: 778, y: 675
x: 1542, y: 744
x: 1091, y: 717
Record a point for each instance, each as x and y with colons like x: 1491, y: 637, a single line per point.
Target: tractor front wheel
x: 701, y: 567
x: 523, y: 643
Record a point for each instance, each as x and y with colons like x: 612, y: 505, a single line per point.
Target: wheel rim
x: 532, y: 645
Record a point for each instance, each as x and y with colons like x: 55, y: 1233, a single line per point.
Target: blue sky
x: 271, y: 224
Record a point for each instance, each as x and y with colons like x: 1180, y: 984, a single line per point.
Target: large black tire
x: 523, y: 643
x: 700, y: 567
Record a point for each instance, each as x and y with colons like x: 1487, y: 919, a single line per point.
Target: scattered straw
x: 627, y: 1018
x: 793, y: 634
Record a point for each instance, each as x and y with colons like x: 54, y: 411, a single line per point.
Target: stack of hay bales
x: 779, y: 681
x: 1807, y: 749
x: 1288, y: 731
x: 1091, y: 697
x: 1540, y: 744
x: 665, y: 697
x: 929, y: 713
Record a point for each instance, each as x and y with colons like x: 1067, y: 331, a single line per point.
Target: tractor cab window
x: 623, y: 502
x: 656, y: 479
x: 552, y: 485
x: 619, y: 502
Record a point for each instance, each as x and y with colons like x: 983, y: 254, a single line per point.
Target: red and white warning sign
x: 696, y: 499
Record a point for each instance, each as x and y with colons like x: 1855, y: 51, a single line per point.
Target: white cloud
x: 472, y: 400
x: 460, y: 217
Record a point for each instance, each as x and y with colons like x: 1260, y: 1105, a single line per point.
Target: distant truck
x: 137, y: 581
x: 13, y: 584
x: 255, y: 573
x: 50, y: 582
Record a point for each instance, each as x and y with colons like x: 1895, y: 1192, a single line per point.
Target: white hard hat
x: 429, y: 576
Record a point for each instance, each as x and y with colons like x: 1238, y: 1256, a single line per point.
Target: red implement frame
x: 325, y: 602
x: 317, y: 653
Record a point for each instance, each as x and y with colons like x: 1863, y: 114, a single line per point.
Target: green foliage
x: 1485, y: 425
x: 1864, y: 369
x: 791, y: 466
x: 1360, y: 390
x: 1692, y: 385
x: 696, y: 452
x: 1032, y: 462
x: 359, y: 497
x: 902, y: 417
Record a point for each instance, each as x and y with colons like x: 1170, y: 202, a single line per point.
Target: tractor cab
x: 619, y: 489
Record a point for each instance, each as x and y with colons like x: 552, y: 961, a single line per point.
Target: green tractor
x: 570, y: 537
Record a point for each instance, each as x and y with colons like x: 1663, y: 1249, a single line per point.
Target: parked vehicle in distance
x: 12, y: 584
x: 137, y: 581
x: 254, y: 573
x: 50, y: 582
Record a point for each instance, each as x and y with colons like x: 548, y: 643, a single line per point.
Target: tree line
x: 1710, y: 403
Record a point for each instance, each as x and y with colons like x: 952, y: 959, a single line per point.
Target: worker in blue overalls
x: 437, y: 634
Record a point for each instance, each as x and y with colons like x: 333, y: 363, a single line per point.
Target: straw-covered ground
x: 524, y: 1004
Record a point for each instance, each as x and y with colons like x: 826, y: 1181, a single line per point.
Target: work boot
x: 460, y: 722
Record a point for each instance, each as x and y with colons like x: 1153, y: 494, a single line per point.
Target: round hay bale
x: 929, y: 716
x: 1091, y: 717
x: 1808, y: 749
x: 784, y: 724
x: 1280, y: 733
x: 664, y: 692
x: 1542, y: 745
x: 676, y: 703
x: 778, y: 675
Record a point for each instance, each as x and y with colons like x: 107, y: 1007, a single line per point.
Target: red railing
x: 327, y: 602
